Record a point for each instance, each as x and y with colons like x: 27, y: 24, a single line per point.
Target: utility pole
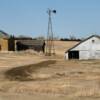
x: 50, y: 50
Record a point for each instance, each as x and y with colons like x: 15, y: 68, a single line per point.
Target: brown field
x: 33, y: 76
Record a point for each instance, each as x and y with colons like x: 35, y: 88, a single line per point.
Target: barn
x: 11, y: 43
x: 24, y: 44
x: 6, y: 42
x: 89, y: 48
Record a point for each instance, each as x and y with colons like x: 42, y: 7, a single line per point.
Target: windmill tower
x: 50, y: 50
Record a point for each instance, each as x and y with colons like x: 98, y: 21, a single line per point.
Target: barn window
x: 93, y: 41
x: 0, y: 47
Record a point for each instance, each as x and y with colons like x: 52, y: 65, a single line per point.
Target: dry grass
x: 24, y: 73
x: 66, y: 78
x: 62, y: 46
x: 49, y: 78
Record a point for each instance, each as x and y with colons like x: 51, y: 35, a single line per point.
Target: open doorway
x: 73, y: 55
x: 0, y: 47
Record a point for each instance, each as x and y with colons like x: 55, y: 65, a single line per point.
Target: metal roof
x: 32, y: 42
x: 3, y: 34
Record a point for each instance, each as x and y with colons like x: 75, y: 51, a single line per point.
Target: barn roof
x: 3, y: 34
x: 83, y: 41
x: 32, y: 42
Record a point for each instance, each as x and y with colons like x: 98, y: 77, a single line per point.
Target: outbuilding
x: 89, y: 48
x: 37, y: 45
x: 6, y: 42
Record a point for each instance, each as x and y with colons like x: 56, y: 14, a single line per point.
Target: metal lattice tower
x: 50, y: 50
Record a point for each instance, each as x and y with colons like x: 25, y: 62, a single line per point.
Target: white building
x: 86, y: 49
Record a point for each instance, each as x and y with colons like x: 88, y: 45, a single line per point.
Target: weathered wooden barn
x: 89, y: 48
x: 6, y: 42
x: 24, y: 44
x: 10, y: 43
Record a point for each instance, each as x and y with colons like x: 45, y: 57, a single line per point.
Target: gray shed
x: 37, y: 45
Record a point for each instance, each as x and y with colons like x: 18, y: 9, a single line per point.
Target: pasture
x: 33, y: 76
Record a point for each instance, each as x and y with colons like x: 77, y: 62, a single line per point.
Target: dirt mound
x: 24, y: 73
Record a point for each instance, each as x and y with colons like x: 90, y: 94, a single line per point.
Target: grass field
x: 25, y: 76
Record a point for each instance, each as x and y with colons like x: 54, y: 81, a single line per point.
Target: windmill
x: 50, y: 50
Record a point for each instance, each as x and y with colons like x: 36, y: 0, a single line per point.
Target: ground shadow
x: 23, y: 73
